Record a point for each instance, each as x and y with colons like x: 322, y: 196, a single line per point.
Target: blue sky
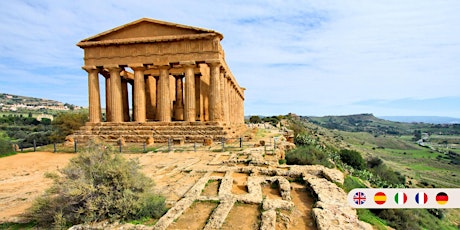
x: 326, y: 57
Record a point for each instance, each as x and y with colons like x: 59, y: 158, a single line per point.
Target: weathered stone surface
x: 163, y: 52
x: 207, y: 142
x: 331, y: 210
x: 268, y: 220
x: 69, y: 141
x: 149, y: 141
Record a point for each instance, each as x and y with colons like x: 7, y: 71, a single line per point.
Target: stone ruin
x: 330, y: 209
x: 181, y: 86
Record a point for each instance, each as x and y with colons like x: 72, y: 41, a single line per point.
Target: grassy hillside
x: 433, y: 162
x: 371, y: 124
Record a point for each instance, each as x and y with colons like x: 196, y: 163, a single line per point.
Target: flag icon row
x: 404, y: 198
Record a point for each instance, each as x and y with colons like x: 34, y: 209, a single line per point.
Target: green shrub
x: 351, y: 183
x: 308, y: 155
x: 67, y: 123
x: 302, y: 139
x: 374, y: 162
x: 6, y: 146
x: 352, y: 158
x: 97, y: 185
x: 388, y: 175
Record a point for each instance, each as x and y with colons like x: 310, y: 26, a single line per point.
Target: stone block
x: 178, y: 141
x: 262, y: 143
x: 207, y: 142
x: 149, y: 141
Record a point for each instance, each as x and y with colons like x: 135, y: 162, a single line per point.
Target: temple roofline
x: 202, y: 30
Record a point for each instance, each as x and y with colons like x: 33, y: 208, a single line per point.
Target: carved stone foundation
x: 187, y: 132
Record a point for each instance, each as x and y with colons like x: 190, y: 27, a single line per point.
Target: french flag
x: 421, y: 198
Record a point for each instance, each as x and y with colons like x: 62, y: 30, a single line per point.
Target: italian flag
x: 400, y: 198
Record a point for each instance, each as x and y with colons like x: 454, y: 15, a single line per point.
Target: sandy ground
x: 22, y: 176
x: 22, y: 180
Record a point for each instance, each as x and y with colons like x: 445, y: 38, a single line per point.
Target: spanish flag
x: 380, y: 198
x: 400, y: 198
x: 442, y: 198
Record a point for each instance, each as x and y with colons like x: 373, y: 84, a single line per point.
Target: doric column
x: 242, y: 106
x: 215, y: 103
x: 94, y: 97
x: 179, y: 105
x: 116, y: 100
x: 164, y: 103
x: 125, y: 97
x: 108, y: 99
x: 139, y: 105
x: 233, y: 104
x: 198, y: 99
x: 224, y: 90
x: 151, y: 97
x: 190, y: 98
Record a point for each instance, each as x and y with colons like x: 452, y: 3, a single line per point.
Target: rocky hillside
x: 10, y: 102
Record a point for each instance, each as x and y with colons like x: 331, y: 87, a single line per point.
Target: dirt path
x: 22, y: 180
x: 177, y: 175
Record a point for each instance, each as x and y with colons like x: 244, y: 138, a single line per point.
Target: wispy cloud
x: 307, y: 57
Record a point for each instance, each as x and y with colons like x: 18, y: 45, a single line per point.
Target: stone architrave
x: 116, y: 94
x: 139, y: 107
x: 215, y: 106
x: 164, y: 103
x: 190, y: 98
x: 93, y: 94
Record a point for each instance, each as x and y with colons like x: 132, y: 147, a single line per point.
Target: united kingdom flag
x: 359, y: 198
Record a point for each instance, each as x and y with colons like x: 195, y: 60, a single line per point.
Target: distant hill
x: 11, y: 102
x: 371, y: 124
x: 424, y: 119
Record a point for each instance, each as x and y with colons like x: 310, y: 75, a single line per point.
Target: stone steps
x: 160, y: 131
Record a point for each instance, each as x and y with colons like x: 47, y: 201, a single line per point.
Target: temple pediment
x: 146, y: 29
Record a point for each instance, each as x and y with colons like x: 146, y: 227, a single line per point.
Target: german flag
x: 442, y: 198
x: 380, y: 198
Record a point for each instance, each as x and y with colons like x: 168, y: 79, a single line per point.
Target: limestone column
x: 233, y: 104
x: 139, y: 105
x: 242, y: 106
x: 116, y: 100
x: 190, y: 98
x: 108, y: 99
x: 179, y: 105
x: 125, y: 98
x: 94, y: 98
x: 151, y: 97
x: 225, y: 109
x: 164, y: 103
x: 198, y: 99
x: 215, y: 103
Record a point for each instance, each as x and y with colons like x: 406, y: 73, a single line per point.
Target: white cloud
x: 308, y: 57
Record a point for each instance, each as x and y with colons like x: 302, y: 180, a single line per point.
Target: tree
x: 97, y: 185
x: 352, y: 158
x: 255, y: 119
x: 417, y: 135
x: 66, y: 123
x: 5, y: 144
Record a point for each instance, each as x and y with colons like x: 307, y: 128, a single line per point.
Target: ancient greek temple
x: 179, y: 84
